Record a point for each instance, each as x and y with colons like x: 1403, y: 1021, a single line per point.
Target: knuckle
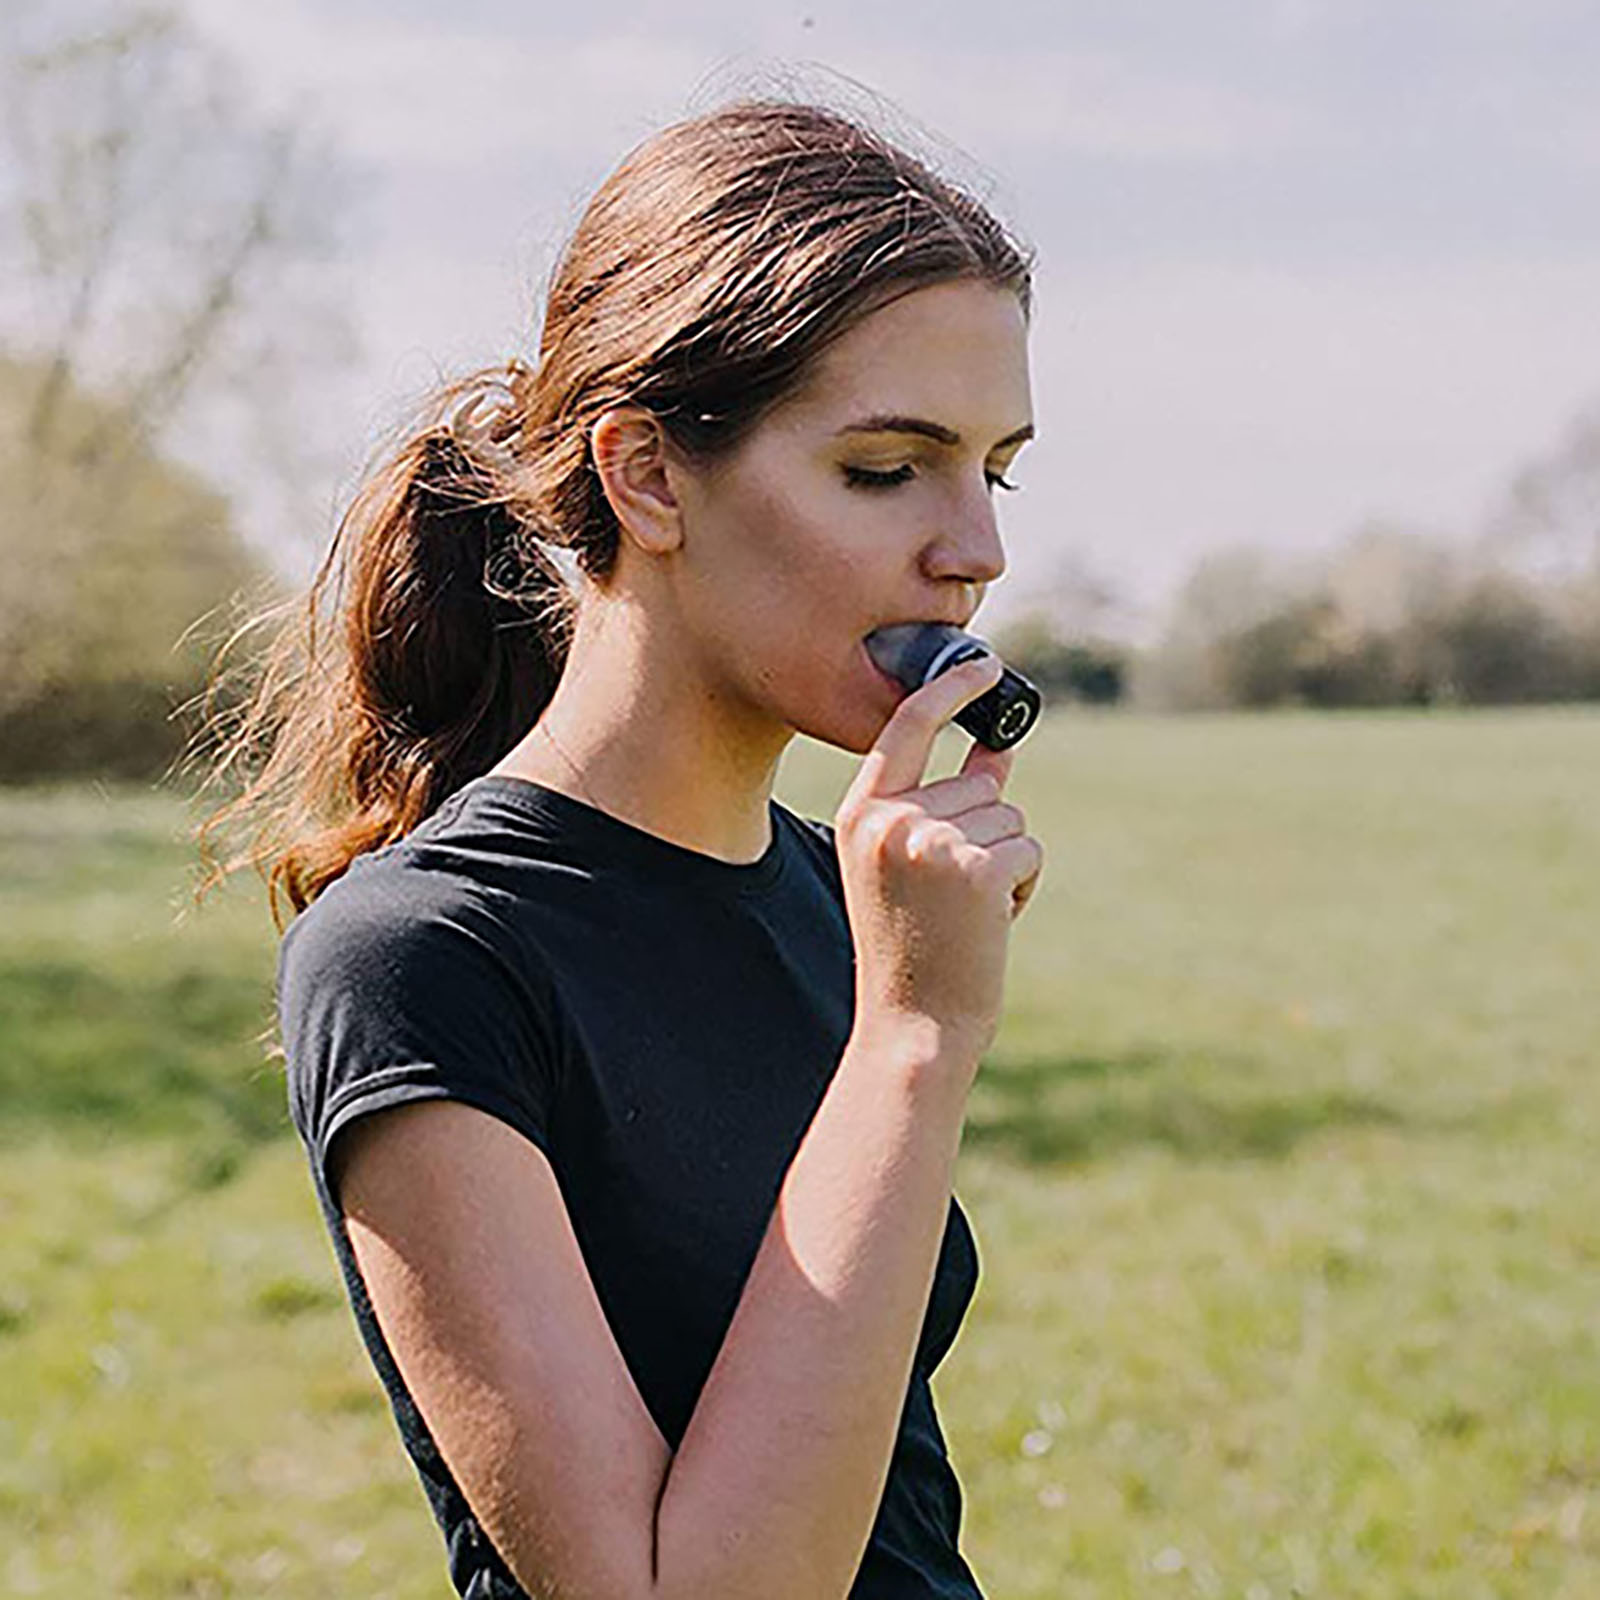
x: 931, y: 840
x: 866, y: 825
x: 850, y: 822
x: 994, y: 878
x: 889, y: 827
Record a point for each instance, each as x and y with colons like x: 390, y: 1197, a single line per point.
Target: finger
x: 1022, y: 894
x: 958, y: 795
x: 1022, y: 859
x: 897, y: 761
x: 980, y: 758
x: 991, y: 823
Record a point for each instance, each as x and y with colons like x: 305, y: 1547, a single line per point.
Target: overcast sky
x: 1301, y: 263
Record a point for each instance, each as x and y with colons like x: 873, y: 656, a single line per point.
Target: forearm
x: 777, y: 1481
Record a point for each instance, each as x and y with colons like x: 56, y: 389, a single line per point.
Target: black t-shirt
x: 663, y: 1025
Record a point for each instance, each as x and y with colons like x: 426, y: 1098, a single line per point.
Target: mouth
x: 928, y: 619
x: 909, y: 653
x: 878, y: 672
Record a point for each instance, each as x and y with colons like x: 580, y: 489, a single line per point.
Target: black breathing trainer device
x: 915, y: 653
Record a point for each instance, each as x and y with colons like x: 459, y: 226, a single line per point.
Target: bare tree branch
x: 1553, y: 504
x: 163, y: 268
x: 154, y: 217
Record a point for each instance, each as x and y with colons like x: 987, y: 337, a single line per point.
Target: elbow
x: 599, y: 1563
x: 732, y: 1571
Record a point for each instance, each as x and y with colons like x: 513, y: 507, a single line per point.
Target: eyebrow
x: 928, y: 430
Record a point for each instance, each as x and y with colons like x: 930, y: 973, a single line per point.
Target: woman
x: 633, y: 1099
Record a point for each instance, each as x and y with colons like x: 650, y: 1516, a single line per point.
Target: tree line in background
x: 1390, y: 617
x: 1396, y: 620
x: 148, y: 214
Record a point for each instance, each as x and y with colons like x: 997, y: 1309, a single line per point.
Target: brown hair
x: 702, y: 281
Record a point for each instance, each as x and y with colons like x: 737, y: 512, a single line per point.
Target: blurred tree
x: 156, y: 231
x: 159, y: 240
x: 1093, y: 671
x: 95, y: 607
x: 1068, y: 639
x: 1080, y: 601
x: 1390, y: 619
x: 1500, y: 644
x: 1385, y: 574
x: 1551, y: 512
x: 1228, y: 592
x: 1548, y: 525
x: 1311, y: 653
x: 1265, y: 663
x: 1395, y: 616
x: 1581, y: 612
x: 1390, y: 586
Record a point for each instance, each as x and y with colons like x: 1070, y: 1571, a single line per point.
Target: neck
x: 639, y: 729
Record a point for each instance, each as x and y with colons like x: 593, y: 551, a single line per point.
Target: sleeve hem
x: 412, y: 1083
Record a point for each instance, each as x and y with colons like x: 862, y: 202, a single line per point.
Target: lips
x: 962, y: 622
x: 878, y: 672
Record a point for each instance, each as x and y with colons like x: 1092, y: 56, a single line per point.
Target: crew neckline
x: 638, y: 846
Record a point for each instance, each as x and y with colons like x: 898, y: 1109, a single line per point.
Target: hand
x: 934, y: 875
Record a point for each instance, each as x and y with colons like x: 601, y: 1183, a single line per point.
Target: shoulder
x: 402, y: 981
x: 386, y: 907
x: 397, y: 936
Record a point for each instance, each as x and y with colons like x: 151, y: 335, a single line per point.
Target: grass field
x: 1283, y: 1171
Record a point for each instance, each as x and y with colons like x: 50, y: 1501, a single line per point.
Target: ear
x: 634, y: 459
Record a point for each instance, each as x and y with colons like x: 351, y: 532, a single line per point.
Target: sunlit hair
x: 702, y: 282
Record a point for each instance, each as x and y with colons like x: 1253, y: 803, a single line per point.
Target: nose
x: 970, y: 551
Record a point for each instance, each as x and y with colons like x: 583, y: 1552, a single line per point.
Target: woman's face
x: 867, y: 497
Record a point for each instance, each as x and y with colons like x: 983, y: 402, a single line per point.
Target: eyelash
x: 863, y: 478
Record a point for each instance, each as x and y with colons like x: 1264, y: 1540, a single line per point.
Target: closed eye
x: 865, y: 478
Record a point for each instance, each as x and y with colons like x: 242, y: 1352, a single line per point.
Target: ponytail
x: 432, y: 638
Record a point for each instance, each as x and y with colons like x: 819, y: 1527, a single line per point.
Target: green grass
x: 1282, y: 1171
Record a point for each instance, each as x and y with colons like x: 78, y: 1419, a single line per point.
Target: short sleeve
x: 394, y: 988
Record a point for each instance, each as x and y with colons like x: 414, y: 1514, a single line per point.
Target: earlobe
x: 630, y: 450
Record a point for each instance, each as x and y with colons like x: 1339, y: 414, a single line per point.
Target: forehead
x: 955, y: 353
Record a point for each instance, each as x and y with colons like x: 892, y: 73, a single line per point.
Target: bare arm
x: 469, y: 1257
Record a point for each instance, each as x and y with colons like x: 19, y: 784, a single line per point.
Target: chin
x: 856, y: 734
x: 853, y: 711
x: 857, y: 746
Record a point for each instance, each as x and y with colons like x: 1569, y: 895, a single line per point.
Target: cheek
x: 789, y: 563
x: 788, y: 606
